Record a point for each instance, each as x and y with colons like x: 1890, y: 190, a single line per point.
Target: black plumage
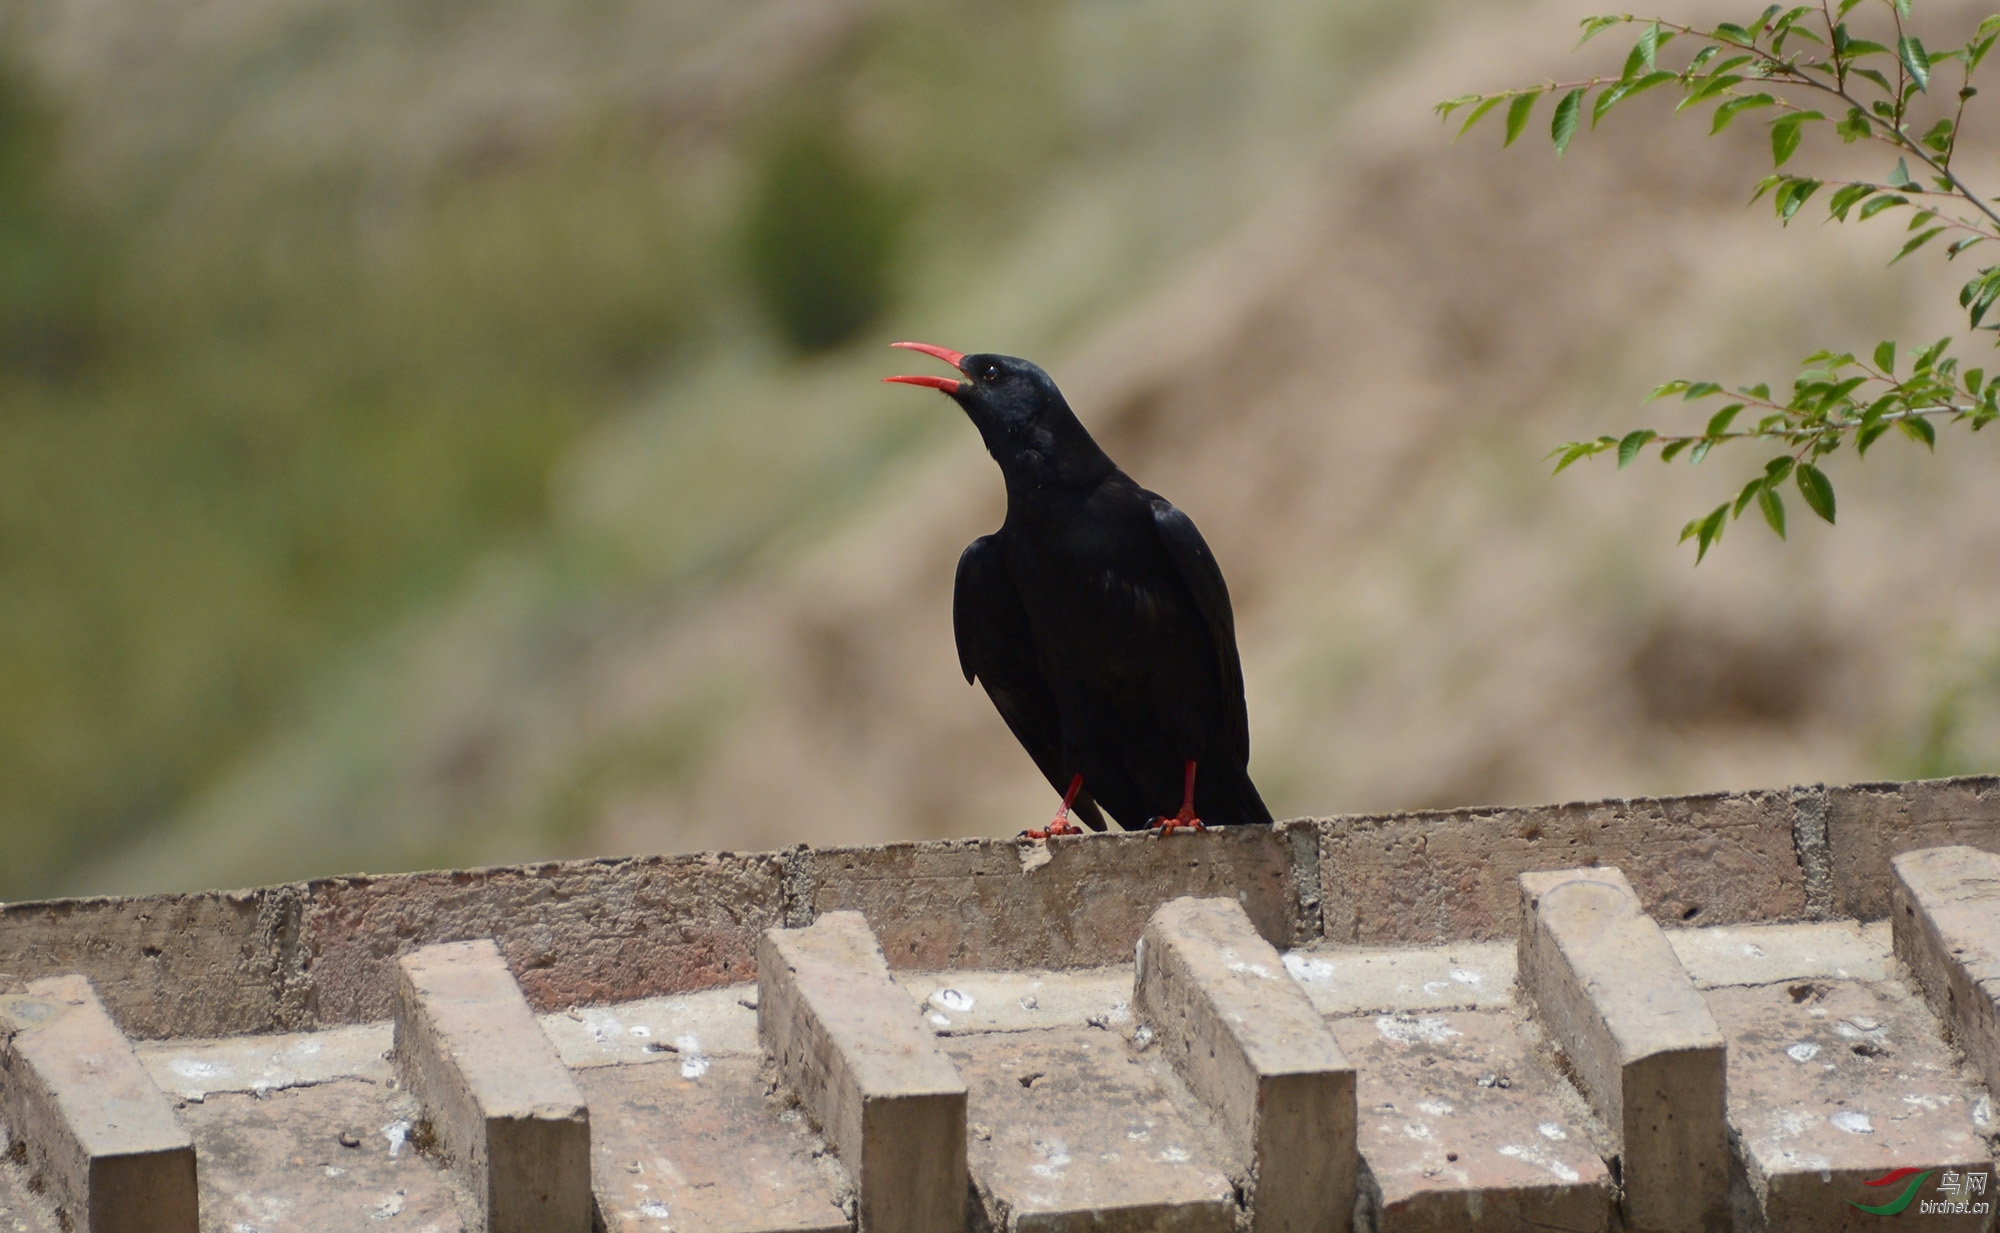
x: 1096, y: 618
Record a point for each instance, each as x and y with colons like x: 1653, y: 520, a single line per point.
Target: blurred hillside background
x: 445, y: 433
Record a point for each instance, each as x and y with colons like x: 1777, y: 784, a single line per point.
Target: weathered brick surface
x: 1946, y: 927
x: 92, y: 1128
x: 507, y: 1114
x: 1245, y: 1038
x: 1003, y: 903
x: 1465, y: 1131
x: 1424, y: 878
x: 575, y: 933
x: 1610, y: 992
x: 1833, y: 1084
x: 1072, y: 1132
x: 847, y: 1040
x: 21, y: 1210
x: 281, y: 1162
x: 210, y: 964
x: 691, y: 1143
x: 1869, y: 823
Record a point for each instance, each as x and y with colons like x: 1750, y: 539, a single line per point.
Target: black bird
x: 1097, y: 619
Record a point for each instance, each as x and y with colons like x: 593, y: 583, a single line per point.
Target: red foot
x: 1061, y: 825
x: 1185, y: 819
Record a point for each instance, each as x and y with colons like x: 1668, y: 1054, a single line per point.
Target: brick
x: 1074, y: 1132
x: 1836, y: 1083
x: 1004, y: 903
x: 1608, y: 989
x: 1247, y: 1041
x: 506, y: 1113
x: 190, y: 1069
x: 577, y: 933
x: 847, y: 1040
x: 88, y: 1118
x: 276, y: 1162
x: 1343, y: 980
x: 21, y: 1210
x: 210, y: 964
x: 1465, y: 1131
x: 1768, y: 954
x: 1449, y: 876
x: 1946, y: 927
x: 961, y: 1003
x: 692, y: 1143
x: 1868, y: 824
x: 708, y: 1023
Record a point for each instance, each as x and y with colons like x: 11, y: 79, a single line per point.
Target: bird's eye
x: 992, y: 372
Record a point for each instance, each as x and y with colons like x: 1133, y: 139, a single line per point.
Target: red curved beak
x: 946, y: 384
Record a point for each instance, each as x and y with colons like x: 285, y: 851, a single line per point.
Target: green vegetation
x: 1880, y: 85
x: 319, y: 332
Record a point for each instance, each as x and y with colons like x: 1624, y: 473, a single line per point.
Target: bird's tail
x: 1224, y: 796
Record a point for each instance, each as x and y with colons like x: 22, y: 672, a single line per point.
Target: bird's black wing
x: 996, y: 645
x: 1203, y: 578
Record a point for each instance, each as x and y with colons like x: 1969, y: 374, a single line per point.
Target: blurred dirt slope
x: 1352, y: 397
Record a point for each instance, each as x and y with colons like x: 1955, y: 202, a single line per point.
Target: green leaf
x: 1700, y: 389
x: 1857, y: 48
x: 1699, y: 452
x: 1672, y: 448
x: 1900, y: 177
x: 1624, y: 90
x: 1479, y: 112
x: 1749, y: 494
x: 1635, y: 61
x: 1978, y: 295
x: 1835, y: 393
x: 1719, y: 422
x: 1817, y: 490
x: 1721, y: 79
x: 1794, y: 195
x: 1649, y: 46
x: 1854, y: 127
x: 1563, y: 126
x: 1910, y: 49
x: 1916, y: 244
x: 1879, y: 204
x: 1629, y: 447
x: 1939, y: 136
x: 1594, y: 26
x: 1866, y: 437
x: 1919, y: 429
x: 1671, y: 387
x: 1728, y: 110
x: 1517, y: 115
x: 1785, y: 134
x: 1773, y: 506
x: 1706, y: 531
x: 1959, y: 246
x: 1885, y: 357
x: 1730, y: 32
x: 1574, y: 451
x: 1777, y: 469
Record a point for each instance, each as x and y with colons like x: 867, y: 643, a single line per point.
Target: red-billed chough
x: 1097, y: 619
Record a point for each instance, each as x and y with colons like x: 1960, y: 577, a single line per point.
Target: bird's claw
x: 1061, y: 826
x: 1183, y: 821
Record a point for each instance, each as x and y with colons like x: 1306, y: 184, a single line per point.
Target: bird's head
x: 1021, y: 415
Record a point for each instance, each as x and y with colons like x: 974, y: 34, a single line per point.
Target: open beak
x: 946, y: 384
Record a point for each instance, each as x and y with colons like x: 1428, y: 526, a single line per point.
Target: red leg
x: 1061, y: 825
x: 1185, y: 819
